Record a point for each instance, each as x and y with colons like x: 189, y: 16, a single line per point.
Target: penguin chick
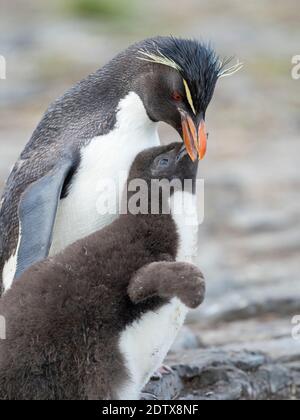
x: 95, y: 321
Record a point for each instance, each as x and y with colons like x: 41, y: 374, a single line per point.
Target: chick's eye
x: 176, y: 96
x: 164, y: 162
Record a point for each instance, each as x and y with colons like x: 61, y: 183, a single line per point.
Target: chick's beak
x: 194, y: 137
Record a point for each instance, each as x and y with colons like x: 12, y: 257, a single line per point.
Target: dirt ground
x: 250, y: 240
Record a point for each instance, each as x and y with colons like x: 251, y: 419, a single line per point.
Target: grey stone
x: 217, y: 374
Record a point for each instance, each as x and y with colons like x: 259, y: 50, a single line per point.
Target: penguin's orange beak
x: 194, y: 137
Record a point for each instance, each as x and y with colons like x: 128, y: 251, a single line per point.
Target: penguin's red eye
x: 176, y: 96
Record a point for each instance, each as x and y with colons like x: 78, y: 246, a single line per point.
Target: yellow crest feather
x: 189, y: 96
x: 229, y: 71
x: 158, y: 58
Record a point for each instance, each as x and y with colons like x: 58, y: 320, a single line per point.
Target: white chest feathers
x: 184, y: 211
x: 145, y: 343
x: 93, y: 200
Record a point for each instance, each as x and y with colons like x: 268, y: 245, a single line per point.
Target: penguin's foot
x: 160, y: 372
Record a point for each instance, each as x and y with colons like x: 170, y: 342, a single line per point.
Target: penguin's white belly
x: 145, y: 343
x: 94, y: 197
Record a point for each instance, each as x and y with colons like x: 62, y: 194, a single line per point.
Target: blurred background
x: 250, y: 239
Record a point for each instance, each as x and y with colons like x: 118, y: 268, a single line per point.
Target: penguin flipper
x: 37, y: 212
x: 167, y: 280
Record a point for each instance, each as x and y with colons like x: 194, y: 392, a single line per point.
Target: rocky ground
x: 239, y: 345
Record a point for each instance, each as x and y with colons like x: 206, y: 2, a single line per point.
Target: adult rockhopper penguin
x: 95, y: 321
x: 94, y: 132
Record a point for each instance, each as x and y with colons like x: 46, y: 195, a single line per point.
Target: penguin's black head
x: 176, y: 82
x: 156, y: 175
x: 170, y: 163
